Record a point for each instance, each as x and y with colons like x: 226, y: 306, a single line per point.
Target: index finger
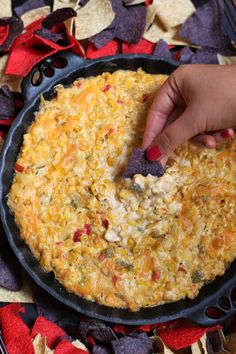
x: 163, y: 104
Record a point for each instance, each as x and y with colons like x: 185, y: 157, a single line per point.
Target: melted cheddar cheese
x: 126, y: 243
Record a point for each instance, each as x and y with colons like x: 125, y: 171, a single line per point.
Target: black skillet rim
x: 209, y: 296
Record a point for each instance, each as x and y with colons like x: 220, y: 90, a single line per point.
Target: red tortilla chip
x: 118, y: 328
x: 23, y: 58
x: 39, y: 41
x: 178, y: 338
x: 47, y: 329
x: 109, y: 49
x: 130, y: 329
x: 16, y: 334
x: 4, y: 32
x: 77, y: 47
x: 2, y: 134
x: 35, y: 25
x: 183, y: 337
x: 28, y: 34
x: 65, y: 347
x: 143, y: 47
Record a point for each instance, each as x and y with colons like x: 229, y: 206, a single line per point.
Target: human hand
x: 197, y: 102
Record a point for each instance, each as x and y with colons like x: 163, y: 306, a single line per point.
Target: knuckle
x: 166, y: 142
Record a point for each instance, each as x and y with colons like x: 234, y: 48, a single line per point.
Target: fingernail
x: 225, y: 134
x: 153, y: 153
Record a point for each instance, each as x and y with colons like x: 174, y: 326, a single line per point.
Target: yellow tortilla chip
x: 93, y: 18
x: 5, y: 8
x: 14, y: 82
x: 40, y: 346
x: 173, y: 13
x: 35, y: 14
x: 157, y: 32
x: 226, y: 60
x: 58, y: 4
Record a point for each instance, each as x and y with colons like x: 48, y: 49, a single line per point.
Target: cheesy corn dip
x: 125, y: 243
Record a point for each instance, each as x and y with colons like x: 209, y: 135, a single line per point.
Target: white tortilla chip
x: 196, y: 348
x: 78, y: 344
x: 173, y: 13
x: 93, y: 18
x: 226, y: 60
x: 157, y: 32
x: 40, y: 346
x: 23, y: 296
x: 134, y: 2
x: 151, y: 14
x: 14, y: 82
x: 58, y: 4
x: 5, y: 8
x: 35, y: 14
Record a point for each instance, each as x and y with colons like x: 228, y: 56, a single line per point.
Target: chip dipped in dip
x: 122, y: 242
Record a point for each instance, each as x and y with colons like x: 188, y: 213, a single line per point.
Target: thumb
x: 172, y: 137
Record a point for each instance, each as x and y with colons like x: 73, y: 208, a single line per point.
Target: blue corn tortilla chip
x: 51, y: 36
x: 205, y: 56
x: 99, y: 331
x: 28, y: 5
x: 7, y: 106
x: 16, y: 26
x: 58, y: 16
x: 139, y: 164
x: 128, y: 345
x: 204, y: 27
x: 186, y: 55
x: 10, y: 270
x: 128, y: 25
x: 161, y: 50
x: 101, y: 39
x: 83, y: 2
x: 214, y: 342
x: 201, y: 56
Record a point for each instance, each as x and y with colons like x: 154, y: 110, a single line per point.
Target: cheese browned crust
x: 121, y: 242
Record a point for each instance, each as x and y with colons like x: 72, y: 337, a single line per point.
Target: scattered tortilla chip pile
x: 96, y: 28
x: 171, y: 29
x: 46, y: 337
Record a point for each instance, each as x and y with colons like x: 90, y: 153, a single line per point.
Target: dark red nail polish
x: 153, y: 153
x: 225, y: 134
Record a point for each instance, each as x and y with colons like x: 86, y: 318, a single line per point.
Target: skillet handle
x: 46, y: 74
x: 221, y: 306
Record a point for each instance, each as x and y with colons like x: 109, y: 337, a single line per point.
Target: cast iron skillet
x: 221, y: 294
